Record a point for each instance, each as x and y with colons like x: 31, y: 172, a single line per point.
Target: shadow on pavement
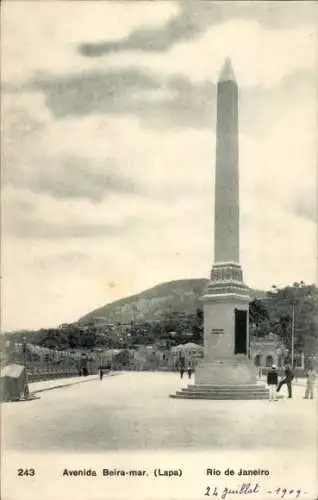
x: 32, y: 397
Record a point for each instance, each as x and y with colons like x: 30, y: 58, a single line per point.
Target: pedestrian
x: 101, y: 373
x: 181, y: 365
x: 26, y: 391
x: 272, y: 381
x: 287, y: 380
x: 310, y: 383
x: 190, y: 369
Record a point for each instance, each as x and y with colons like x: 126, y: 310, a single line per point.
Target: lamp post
x: 24, y: 351
x: 293, y: 335
x: 54, y: 360
x: 100, y: 357
x: 26, y: 386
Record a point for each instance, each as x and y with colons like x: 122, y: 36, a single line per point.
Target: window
x: 269, y: 361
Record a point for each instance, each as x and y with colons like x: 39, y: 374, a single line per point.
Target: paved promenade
x: 127, y: 421
x: 133, y: 411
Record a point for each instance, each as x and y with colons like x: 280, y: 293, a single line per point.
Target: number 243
x: 26, y: 472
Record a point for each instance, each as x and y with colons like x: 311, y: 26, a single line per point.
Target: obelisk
x: 226, y: 229
x: 226, y: 371
x: 226, y: 302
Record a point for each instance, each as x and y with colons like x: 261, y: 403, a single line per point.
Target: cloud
x: 94, y: 92
x: 194, y: 19
x: 190, y: 39
x: 134, y: 171
x: 107, y: 154
x: 278, y: 247
x: 306, y: 208
x: 157, y: 101
x: 40, y: 216
x: 166, y: 172
x: 250, y: 47
x: 171, y: 102
x: 47, y: 43
x: 101, y: 155
x: 63, y: 259
x: 69, y: 177
x: 38, y: 228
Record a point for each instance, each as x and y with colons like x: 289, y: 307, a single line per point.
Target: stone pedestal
x: 226, y: 371
x: 226, y: 341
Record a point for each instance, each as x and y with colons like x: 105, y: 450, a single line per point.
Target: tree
x: 87, y: 340
x: 258, y: 312
x: 197, y: 327
x: 121, y: 360
x: 301, y: 301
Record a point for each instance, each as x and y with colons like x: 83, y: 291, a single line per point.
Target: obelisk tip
x: 227, y: 73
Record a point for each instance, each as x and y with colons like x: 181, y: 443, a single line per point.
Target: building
x: 189, y: 351
x: 269, y: 350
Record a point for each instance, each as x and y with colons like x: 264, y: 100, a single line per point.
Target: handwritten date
x: 251, y: 489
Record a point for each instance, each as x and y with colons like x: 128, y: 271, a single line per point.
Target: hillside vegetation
x: 171, y: 313
x: 153, y: 304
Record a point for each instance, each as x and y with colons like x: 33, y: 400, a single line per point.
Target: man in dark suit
x: 287, y: 380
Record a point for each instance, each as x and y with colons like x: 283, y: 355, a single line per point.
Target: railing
x: 38, y: 371
x: 39, y: 377
x: 47, y: 375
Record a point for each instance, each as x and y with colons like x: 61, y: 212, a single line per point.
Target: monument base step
x: 222, y: 392
x: 236, y: 387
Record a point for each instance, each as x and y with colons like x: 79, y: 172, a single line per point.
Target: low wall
x: 144, y: 369
x: 39, y: 377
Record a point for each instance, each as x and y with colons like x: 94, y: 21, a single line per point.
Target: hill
x: 153, y: 304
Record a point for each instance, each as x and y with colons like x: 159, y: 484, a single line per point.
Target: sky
x: 108, y: 148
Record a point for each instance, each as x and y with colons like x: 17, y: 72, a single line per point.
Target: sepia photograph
x: 159, y: 292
